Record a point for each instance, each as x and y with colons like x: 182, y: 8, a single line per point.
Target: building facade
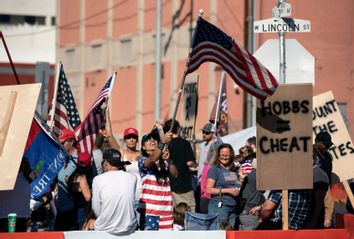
x: 96, y: 38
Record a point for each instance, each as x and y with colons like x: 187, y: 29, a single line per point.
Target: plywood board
x: 189, y: 106
x: 17, y: 128
x: 284, y: 138
x: 327, y: 117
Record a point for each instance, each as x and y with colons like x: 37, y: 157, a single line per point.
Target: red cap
x: 132, y: 131
x: 84, y: 159
x: 66, y: 134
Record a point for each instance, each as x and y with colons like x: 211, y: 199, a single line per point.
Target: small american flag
x: 86, y: 132
x: 66, y: 115
x: 212, y: 44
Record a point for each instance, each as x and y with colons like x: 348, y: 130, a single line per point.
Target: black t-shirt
x: 180, y: 153
x: 250, y: 196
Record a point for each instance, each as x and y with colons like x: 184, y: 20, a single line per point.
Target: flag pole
x: 217, y: 111
x: 201, y: 12
x: 8, y: 56
x: 114, y: 76
x: 55, y: 95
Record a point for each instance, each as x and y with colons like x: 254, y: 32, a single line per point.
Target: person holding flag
x: 65, y: 219
x: 88, y: 129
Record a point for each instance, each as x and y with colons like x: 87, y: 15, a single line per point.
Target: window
x: 30, y: 20
x: 126, y: 49
x: 53, y: 20
x: 5, y: 18
x: 21, y: 19
x: 96, y: 55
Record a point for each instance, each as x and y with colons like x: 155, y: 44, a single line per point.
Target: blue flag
x: 45, y: 155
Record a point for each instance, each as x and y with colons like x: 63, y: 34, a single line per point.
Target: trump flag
x: 45, y: 155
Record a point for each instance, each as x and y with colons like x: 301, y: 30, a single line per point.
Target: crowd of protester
x: 120, y: 189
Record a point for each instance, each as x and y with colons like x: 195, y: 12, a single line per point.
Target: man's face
x: 69, y: 144
x: 320, y: 147
x: 207, y: 136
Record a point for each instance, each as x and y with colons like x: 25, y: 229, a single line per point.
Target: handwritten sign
x: 189, y: 106
x: 327, y: 117
x: 284, y: 139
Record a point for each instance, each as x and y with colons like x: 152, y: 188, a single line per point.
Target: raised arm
x: 109, y: 134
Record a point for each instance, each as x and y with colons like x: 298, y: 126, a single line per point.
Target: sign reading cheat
x: 284, y: 138
x: 327, y: 117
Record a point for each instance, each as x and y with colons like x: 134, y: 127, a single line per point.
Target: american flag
x: 66, y: 115
x: 87, y: 130
x: 212, y: 44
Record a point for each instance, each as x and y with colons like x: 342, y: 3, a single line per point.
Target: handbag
x: 194, y: 221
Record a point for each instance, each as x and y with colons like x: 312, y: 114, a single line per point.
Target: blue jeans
x: 81, y: 214
x: 225, y: 213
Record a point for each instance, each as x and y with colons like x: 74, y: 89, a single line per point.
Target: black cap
x: 325, y: 138
x: 113, y: 157
x: 209, y: 128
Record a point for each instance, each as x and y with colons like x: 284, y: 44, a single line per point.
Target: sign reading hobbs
x: 284, y: 139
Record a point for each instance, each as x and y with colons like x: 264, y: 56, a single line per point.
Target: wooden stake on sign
x: 285, y: 211
x: 6, y: 125
x: 349, y: 192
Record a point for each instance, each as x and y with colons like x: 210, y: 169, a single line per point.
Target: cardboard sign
x: 327, y: 117
x: 189, y: 106
x: 17, y: 105
x: 284, y: 139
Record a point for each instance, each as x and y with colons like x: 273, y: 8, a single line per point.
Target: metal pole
x: 9, y: 57
x: 282, y: 65
x: 158, y: 60
x: 253, y: 48
x: 217, y: 112
x: 250, y: 100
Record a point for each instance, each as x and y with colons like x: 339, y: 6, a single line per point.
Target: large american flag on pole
x: 64, y: 114
x: 86, y: 132
x: 212, y: 44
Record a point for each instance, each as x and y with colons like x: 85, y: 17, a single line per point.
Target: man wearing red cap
x: 65, y: 206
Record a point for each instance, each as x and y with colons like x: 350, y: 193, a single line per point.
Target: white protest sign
x: 327, y: 117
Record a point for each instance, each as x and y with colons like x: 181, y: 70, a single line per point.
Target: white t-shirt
x: 204, y: 149
x: 113, y: 196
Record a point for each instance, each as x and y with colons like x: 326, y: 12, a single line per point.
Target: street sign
x: 281, y: 25
x: 300, y: 64
x: 282, y: 10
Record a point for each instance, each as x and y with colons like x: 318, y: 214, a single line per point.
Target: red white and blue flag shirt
x: 156, y: 198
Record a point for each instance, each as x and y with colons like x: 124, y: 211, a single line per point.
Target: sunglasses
x: 131, y: 136
x: 207, y: 133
